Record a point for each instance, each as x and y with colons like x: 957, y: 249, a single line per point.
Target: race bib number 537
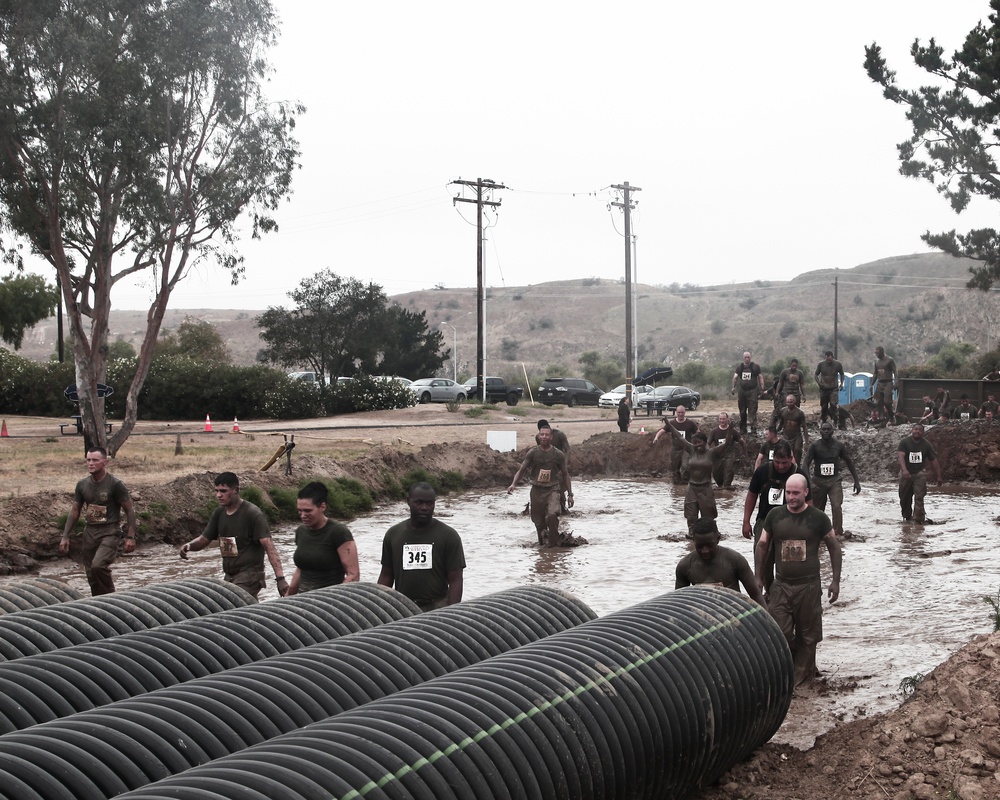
x: 417, y: 556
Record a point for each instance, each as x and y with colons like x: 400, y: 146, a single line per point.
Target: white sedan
x: 438, y: 390
x: 614, y: 397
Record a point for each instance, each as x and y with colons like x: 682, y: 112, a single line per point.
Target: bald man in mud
x: 793, y: 533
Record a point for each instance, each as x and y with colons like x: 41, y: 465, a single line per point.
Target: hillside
x: 910, y: 304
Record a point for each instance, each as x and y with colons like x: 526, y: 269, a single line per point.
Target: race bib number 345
x: 417, y: 556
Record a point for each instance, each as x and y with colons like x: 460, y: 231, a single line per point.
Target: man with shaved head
x: 748, y: 380
x: 792, y: 534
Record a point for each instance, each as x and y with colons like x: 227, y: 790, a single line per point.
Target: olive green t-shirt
x: 795, y: 539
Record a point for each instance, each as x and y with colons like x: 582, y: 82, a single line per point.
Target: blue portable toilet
x: 861, y: 386
x: 844, y: 395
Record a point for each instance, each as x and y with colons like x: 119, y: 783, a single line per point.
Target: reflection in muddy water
x: 910, y: 596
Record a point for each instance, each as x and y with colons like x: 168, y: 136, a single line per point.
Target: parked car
x: 438, y: 390
x: 496, y: 391
x: 614, y: 397
x: 397, y: 378
x: 571, y: 391
x: 671, y: 397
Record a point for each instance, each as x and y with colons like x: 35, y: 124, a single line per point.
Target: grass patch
x: 476, y: 411
x: 994, y: 603
x: 254, y: 495
x: 442, y: 483
x: 61, y: 523
x: 286, y: 501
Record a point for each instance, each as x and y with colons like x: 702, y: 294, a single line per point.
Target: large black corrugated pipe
x: 41, y: 630
x: 171, y: 730
x: 48, y: 686
x: 653, y: 701
x: 35, y: 593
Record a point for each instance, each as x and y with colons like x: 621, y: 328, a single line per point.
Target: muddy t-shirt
x: 545, y: 468
x: 826, y: 457
x: 728, y: 568
x: 748, y: 376
x: 916, y: 454
x: 239, y: 536
x: 792, y: 381
x: 795, y: 541
x: 793, y: 421
x: 100, y: 502
x: 769, y: 486
x: 829, y: 374
x: 719, y: 436
x: 885, y: 369
x: 687, y: 428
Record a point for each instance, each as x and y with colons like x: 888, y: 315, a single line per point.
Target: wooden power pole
x: 481, y: 186
x: 627, y: 205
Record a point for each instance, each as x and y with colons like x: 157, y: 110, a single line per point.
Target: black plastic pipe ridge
x: 41, y: 630
x: 35, y: 593
x: 128, y: 744
x: 653, y: 701
x: 51, y: 685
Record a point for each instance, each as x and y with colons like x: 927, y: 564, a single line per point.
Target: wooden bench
x: 77, y: 426
x: 659, y: 405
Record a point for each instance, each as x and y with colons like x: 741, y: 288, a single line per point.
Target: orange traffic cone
x: 208, y: 424
x: 642, y: 430
x: 236, y: 426
x: 3, y: 430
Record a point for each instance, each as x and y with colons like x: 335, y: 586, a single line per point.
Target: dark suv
x: 571, y: 391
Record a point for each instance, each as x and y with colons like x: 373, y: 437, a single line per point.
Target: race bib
x: 544, y: 476
x: 776, y: 496
x: 964, y: 416
x: 746, y: 377
x: 793, y: 550
x: 227, y: 546
x: 916, y: 458
x: 417, y: 556
x: 722, y: 441
x: 826, y: 470
x: 97, y: 514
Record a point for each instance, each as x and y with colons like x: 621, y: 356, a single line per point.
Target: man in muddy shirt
x: 714, y: 565
x: 244, y: 539
x: 791, y: 423
x: 883, y: 383
x: 749, y: 382
x: 914, y: 454
x: 827, y: 482
x: 830, y: 379
x: 767, y: 491
x: 792, y: 381
x: 965, y: 411
x: 678, y: 456
x: 546, y: 468
x: 101, y: 497
x: 990, y: 406
x: 725, y: 466
x: 791, y: 536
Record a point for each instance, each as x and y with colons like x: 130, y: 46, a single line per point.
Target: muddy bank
x: 942, y: 742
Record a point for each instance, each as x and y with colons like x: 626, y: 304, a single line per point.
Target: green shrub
x: 348, y: 498
x: 286, y: 501
x: 442, y: 483
x: 254, y: 495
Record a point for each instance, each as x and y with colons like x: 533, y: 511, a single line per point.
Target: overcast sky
x: 761, y: 148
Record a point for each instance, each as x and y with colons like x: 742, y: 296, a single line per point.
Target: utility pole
x: 627, y: 205
x: 836, y: 297
x: 481, y: 186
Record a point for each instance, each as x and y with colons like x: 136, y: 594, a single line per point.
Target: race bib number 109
x: 417, y: 556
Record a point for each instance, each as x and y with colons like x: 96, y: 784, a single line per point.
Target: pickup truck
x: 496, y: 391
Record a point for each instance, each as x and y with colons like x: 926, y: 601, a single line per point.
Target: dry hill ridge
x: 910, y: 304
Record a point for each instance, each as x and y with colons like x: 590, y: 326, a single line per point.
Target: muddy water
x: 910, y: 595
